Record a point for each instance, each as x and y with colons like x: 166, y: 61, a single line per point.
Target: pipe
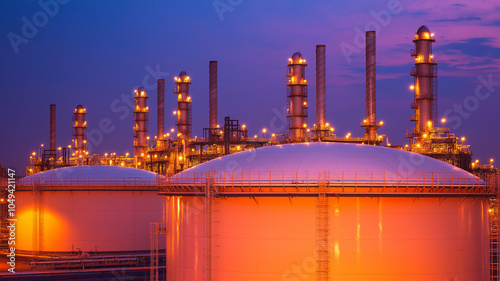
x: 371, y: 110
x: 320, y: 88
x: 52, y: 128
x: 213, y: 95
x: 160, y: 130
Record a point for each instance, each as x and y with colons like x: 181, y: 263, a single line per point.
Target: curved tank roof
x: 331, y: 157
x: 326, y: 157
x: 79, y: 106
x: 93, y: 175
x: 182, y: 74
x: 422, y: 29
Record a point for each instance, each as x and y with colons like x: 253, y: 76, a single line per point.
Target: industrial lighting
x: 327, y: 124
x: 443, y: 120
x: 412, y: 87
x: 381, y: 123
x: 491, y: 160
x: 418, y: 145
x: 425, y: 135
x: 84, y: 141
x: 142, y: 154
x: 126, y: 154
x: 332, y: 129
x: 238, y: 147
x: 305, y: 125
x: 462, y: 139
x: 175, y: 112
x: 273, y: 135
x: 264, y: 130
x: 34, y: 153
x: 41, y: 145
x: 243, y: 126
x: 172, y: 130
x: 123, y: 164
x: 168, y: 134
x: 364, y: 121
x: 255, y: 136
x: 180, y: 158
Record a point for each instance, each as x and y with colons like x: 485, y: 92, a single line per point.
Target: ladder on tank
x: 322, y: 231
x: 494, y: 231
x: 156, y: 229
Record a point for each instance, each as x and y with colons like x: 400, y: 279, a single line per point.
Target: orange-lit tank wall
x: 370, y: 239
x: 97, y: 220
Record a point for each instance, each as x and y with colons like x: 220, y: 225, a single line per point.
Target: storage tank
x: 326, y: 211
x: 87, y: 208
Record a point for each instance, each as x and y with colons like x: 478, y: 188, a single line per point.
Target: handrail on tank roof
x: 298, y: 182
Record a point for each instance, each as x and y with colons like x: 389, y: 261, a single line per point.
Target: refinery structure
x: 232, y: 206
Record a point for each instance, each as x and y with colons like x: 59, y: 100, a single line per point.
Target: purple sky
x: 92, y: 53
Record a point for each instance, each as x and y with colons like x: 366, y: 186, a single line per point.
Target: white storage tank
x: 380, y: 213
x: 87, y: 208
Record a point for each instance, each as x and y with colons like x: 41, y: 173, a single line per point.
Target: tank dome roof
x: 332, y: 157
x: 182, y: 74
x: 93, y: 175
x: 79, y: 106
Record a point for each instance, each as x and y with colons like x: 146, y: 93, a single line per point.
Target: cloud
x: 458, y: 5
x: 459, y: 19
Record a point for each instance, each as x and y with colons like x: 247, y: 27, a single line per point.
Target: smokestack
x: 213, y: 94
x: 52, y: 128
x: 320, y: 88
x: 371, y: 114
x: 160, y: 130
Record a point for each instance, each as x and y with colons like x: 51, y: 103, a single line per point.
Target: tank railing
x: 89, y: 181
x: 338, y: 181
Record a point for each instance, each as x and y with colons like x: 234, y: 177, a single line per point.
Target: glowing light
x: 462, y: 139
x: 332, y: 129
x: 264, y: 130
x: 255, y: 136
x: 425, y: 135
x: 491, y: 160
x: 443, y: 120
x: 305, y: 125
x: 381, y: 123
x: 175, y: 112
x: 418, y: 145
x: 412, y: 87
x: 364, y: 121
x: 172, y: 130
x: 327, y: 124
x: 123, y: 164
x: 142, y: 154
x: 243, y: 126
x: 180, y: 158
x: 238, y: 147
x: 59, y: 148
x: 126, y: 154
x: 429, y: 123
x: 273, y: 135
x: 34, y: 153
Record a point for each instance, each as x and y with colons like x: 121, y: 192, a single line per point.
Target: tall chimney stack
x: 320, y: 90
x: 160, y: 130
x: 213, y: 95
x: 52, y: 128
x: 370, y: 123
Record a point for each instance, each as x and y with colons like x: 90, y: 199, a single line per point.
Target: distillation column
x: 140, y: 123
x: 183, y: 105
x: 320, y: 91
x: 425, y: 80
x: 370, y: 123
x: 160, y: 125
x: 80, y: 131
x: 297, y: 98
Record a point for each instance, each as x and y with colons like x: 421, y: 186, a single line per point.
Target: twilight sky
x: 95, y: 53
